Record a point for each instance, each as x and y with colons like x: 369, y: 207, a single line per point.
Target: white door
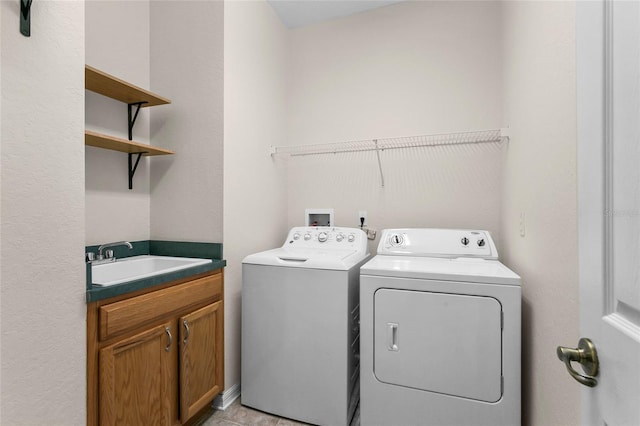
x: 608, y: 89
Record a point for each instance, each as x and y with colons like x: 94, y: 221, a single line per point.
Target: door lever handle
x: 587, y: 356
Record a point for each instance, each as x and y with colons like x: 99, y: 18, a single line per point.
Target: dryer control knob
x: 396, y: 240
x: 464, y: 241
x: 481, y: 242
x: 351, y: 238
x: 322, y: 237
x: 307, y: 237
x: 296, y: 236
x: 339, y: 237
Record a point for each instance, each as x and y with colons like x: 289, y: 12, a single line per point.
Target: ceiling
x: 298, y: 13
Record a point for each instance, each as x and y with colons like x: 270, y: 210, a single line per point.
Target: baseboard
x: 226, y: 398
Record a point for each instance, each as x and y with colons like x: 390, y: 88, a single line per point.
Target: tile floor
x: 239, y: 415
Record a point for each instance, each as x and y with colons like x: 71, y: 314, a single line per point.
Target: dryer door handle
x: 392, y: 337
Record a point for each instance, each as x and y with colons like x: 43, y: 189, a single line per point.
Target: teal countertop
x: 211, y: 251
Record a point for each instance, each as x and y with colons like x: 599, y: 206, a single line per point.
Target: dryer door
x: 438, y: 342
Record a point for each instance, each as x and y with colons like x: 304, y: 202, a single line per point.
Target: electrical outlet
x: 522, y: 225
x: 362, y: 214
x: 371, y: 234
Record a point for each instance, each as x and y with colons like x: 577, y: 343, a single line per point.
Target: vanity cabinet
x: 156, y: 356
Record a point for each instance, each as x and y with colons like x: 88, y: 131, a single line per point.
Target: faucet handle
x: 89, y: 256
x: 108, y: 254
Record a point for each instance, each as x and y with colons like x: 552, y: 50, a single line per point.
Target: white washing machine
x: 440, y: 331
x: 300, y: 326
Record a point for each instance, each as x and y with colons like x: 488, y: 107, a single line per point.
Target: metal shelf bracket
x: 25, y: 17
x: 131, y: 118
x: 133, y: 167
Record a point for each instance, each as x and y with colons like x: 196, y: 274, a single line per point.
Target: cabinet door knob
x: 170, y: 342
x: 187, y: 331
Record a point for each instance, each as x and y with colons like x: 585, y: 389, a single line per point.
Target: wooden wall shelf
x: 105, y: 84
x: 114, y: 143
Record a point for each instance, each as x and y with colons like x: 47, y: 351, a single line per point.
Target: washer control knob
x: 307, y: 237
x: 339, y: 237
x: 351, y: 238
x: 322, y: 237
x: 481, y: 242
x: 296, y: 236
x: 464, y: 241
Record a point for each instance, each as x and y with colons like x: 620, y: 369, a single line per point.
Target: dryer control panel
x: 327, y: 237
x: 431, y: 242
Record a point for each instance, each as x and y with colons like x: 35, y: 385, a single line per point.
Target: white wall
x: 540, y: 181
x: 42, y: 216
x: 412, y: 68
x: 117, y: 42
x: 254, y: 184
x: 187, y: 67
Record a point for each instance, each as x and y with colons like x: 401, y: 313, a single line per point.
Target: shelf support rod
x: 133, y: 167
x: 375, y: 141
x: 132, y: 117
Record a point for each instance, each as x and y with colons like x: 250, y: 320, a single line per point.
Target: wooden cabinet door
x: 138, y: 378
x: 201, y: 358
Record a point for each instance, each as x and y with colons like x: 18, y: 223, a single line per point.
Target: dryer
x: 440, y: 331
x: 300, y: 335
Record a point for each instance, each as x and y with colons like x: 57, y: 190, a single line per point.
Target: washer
x: 440, y: 331
x: 300, y: 325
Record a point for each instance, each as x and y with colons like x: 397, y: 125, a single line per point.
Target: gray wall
x: 414, y: 68
x: 117, y: 42
x: 42, y: 309
x: 255, y: 204
x: 187, y: 67
x: 540, y: 182
x: 173, y: 48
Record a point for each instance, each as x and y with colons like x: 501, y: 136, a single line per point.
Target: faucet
x: 117, y: 243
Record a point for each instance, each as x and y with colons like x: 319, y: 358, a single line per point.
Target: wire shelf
x: 483, y: 136
x: 378, y: 145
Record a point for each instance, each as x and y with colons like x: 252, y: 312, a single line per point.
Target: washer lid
x: 312, y: 258
x: 431, y: 268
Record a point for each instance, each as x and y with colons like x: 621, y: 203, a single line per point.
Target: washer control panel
x: 433, y: 242
x: 326, y: 237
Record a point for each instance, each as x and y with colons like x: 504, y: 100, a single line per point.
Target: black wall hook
x: 25, y: 17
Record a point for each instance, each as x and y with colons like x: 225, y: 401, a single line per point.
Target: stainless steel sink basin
x: 137, y: 267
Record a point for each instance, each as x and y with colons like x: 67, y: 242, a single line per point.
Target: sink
x: 137, y: 267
